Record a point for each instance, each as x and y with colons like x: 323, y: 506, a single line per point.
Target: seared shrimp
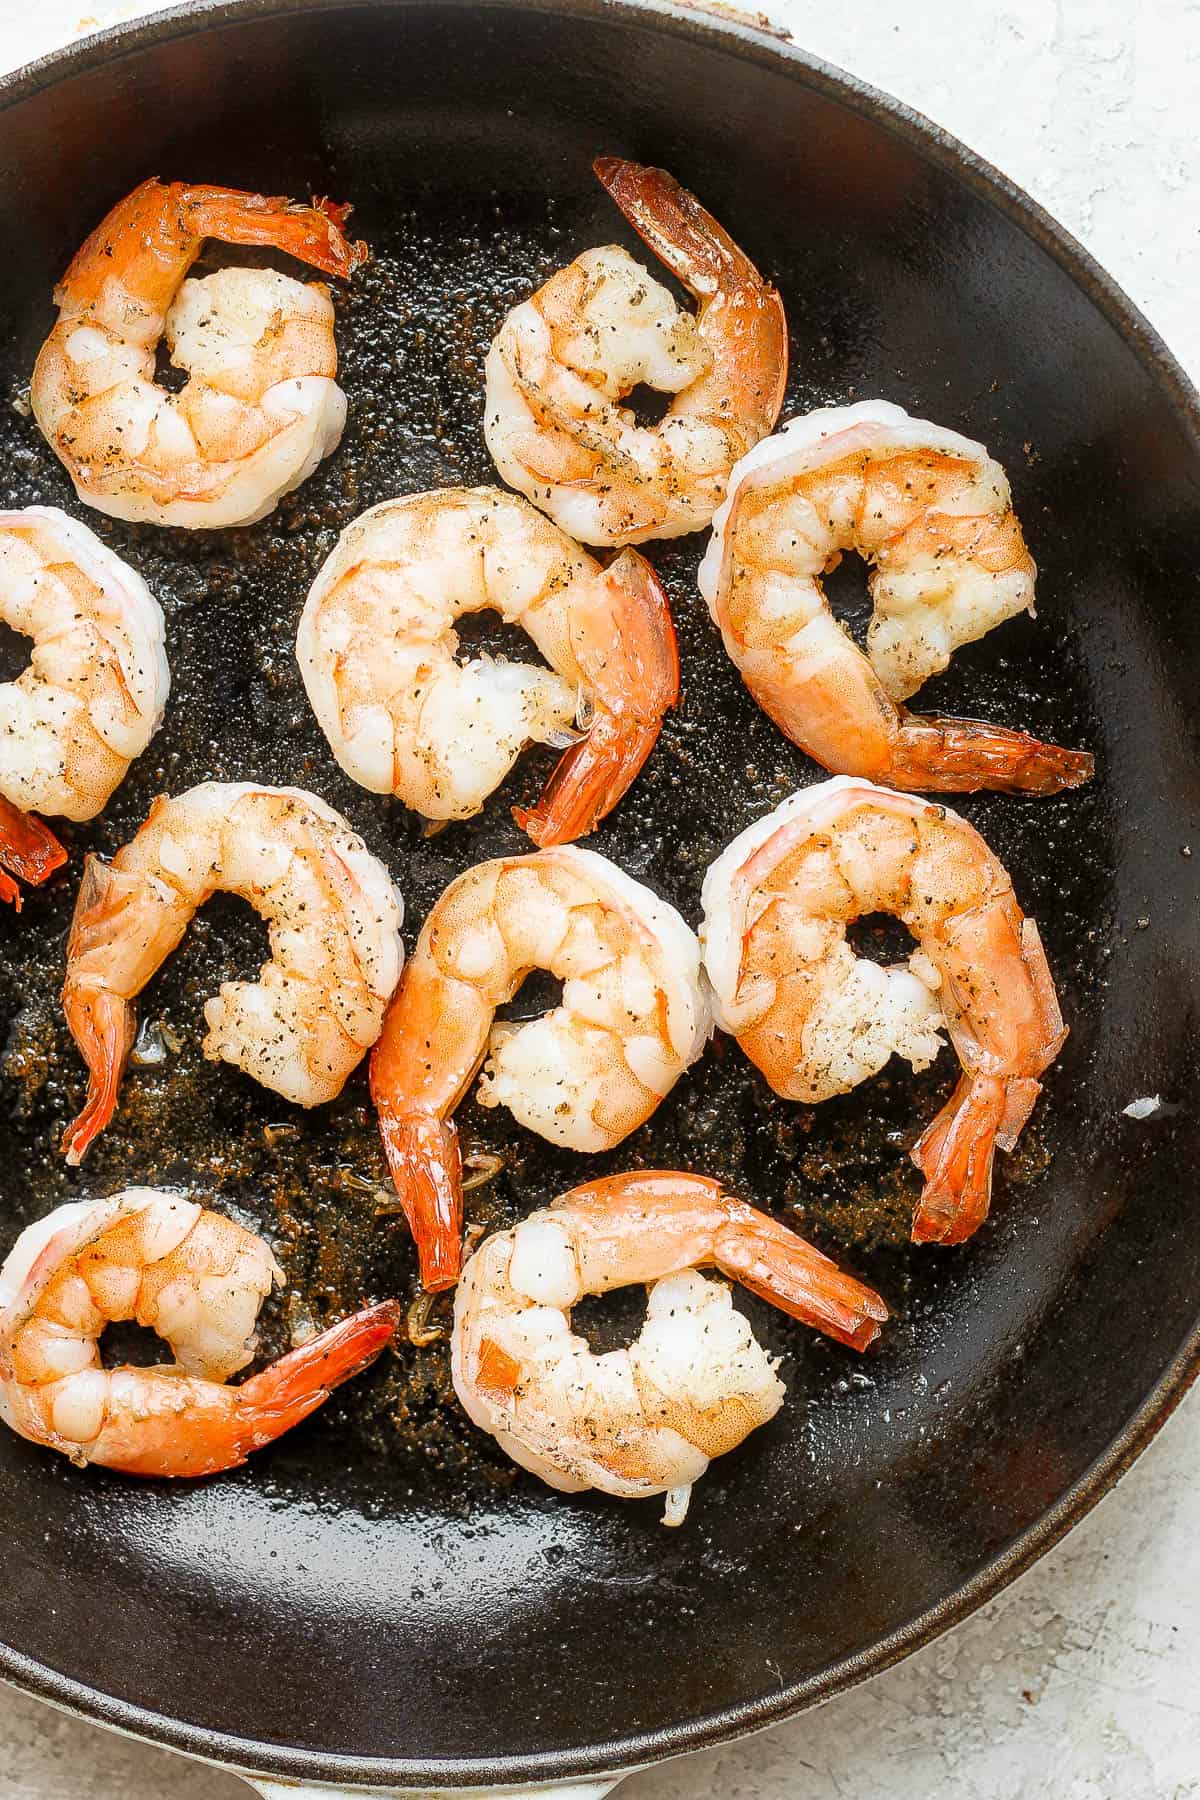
x: 564, y: 360
x: 377, y: 650
x: 93, y: 694
x: 261, y: 406
x: 198, y: 1279
x: 932, y: 514
x: 817, y: 1019
x: 647, y: 1419
x: 334, y: 919
x: 632, y: 1018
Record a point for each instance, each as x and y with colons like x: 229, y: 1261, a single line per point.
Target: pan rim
x: 752, y: 43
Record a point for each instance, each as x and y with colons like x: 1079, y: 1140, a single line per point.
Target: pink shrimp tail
x: 682, y: 233
x: 426, y: 1165
x: 748, y: 329
x: 671, y: 220
x: 103, y: 1027
x: 627, y: 647
x: 353, y: 251
x: 232, y: 1422
x: 955, y: 1156
x: 312, y: 233
x: 28, y: 849
x: 286, y: 1392
x: 102, y: 1022
x: 789, y: 1273
x: 963, y: 755
x: 155, y: 233
x: 588, y: 782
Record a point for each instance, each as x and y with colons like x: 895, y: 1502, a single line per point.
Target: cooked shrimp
x: 563, y: 361
x: 931, y: 512
x: 334, y: 920
x: 195, y: 1277
x: 632, y: 1018
x: 817, y: 1019
x: 261, y: 406
x: 377, y: 650
x: 647, y: 1419
x: 28, y: 849
x: 93, y: 694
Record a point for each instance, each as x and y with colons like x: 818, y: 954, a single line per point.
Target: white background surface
x: 1081, y: 1681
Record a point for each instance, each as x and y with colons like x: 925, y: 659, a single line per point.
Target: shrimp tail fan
x: 955, y: 1156
x: 313, y: 233
x: 28, y: 850
x: 426, y: 1165
x: 221, y: 1433
x: 588, y: 781
x: 102, y: 1020
x: 682, y: 233
x: 271, y: 1402
x: 103, y: 1027
x: 790, y: 1273
x: 625, y: 644
x: 964, y: 755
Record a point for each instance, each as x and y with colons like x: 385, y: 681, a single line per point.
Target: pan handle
x: 563, y: 1790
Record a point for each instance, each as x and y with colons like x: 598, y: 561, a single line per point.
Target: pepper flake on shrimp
x: 260, y: 408
x: 633, y: 1017
x: 931, y: 513
x: 817, y: 1020
x: 333, y: 917
x: 93, y: 694
x: 694, y: 1383
x: 378, y: 653
x: 564, y: 360
x: 198, y: 1279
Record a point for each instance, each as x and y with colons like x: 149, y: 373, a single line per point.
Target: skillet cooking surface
x: 383, y: 1584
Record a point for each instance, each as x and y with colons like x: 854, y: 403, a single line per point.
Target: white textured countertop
x: 1081, y: 1680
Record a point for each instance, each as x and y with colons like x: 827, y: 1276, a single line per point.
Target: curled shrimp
x: 694, y: 1383
x: 563, y: 361
x: 377, y: 650
x: 260, y: 408
x: 334, y: 922
x: 817, y: 1020
x: 632, y: 1018
x: 93, y: 694
x: 932, y: 514
x: 198, y: 1279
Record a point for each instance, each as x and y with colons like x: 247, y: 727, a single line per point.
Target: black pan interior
x: 382, y: 1585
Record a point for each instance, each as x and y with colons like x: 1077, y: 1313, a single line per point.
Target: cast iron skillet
x: 381, y: 1598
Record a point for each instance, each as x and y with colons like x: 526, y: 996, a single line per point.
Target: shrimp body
x: 334, y: 921
x: 260, y: 408
x: 931, y: 513
x: 95, y: 688
x: 817, y: 1020
x: 563, y: 361
x: 633, y: 1017
x: 694, y: 1383
x: 97, y: 682
x: 198, y: 1279
x: 403, y: 716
